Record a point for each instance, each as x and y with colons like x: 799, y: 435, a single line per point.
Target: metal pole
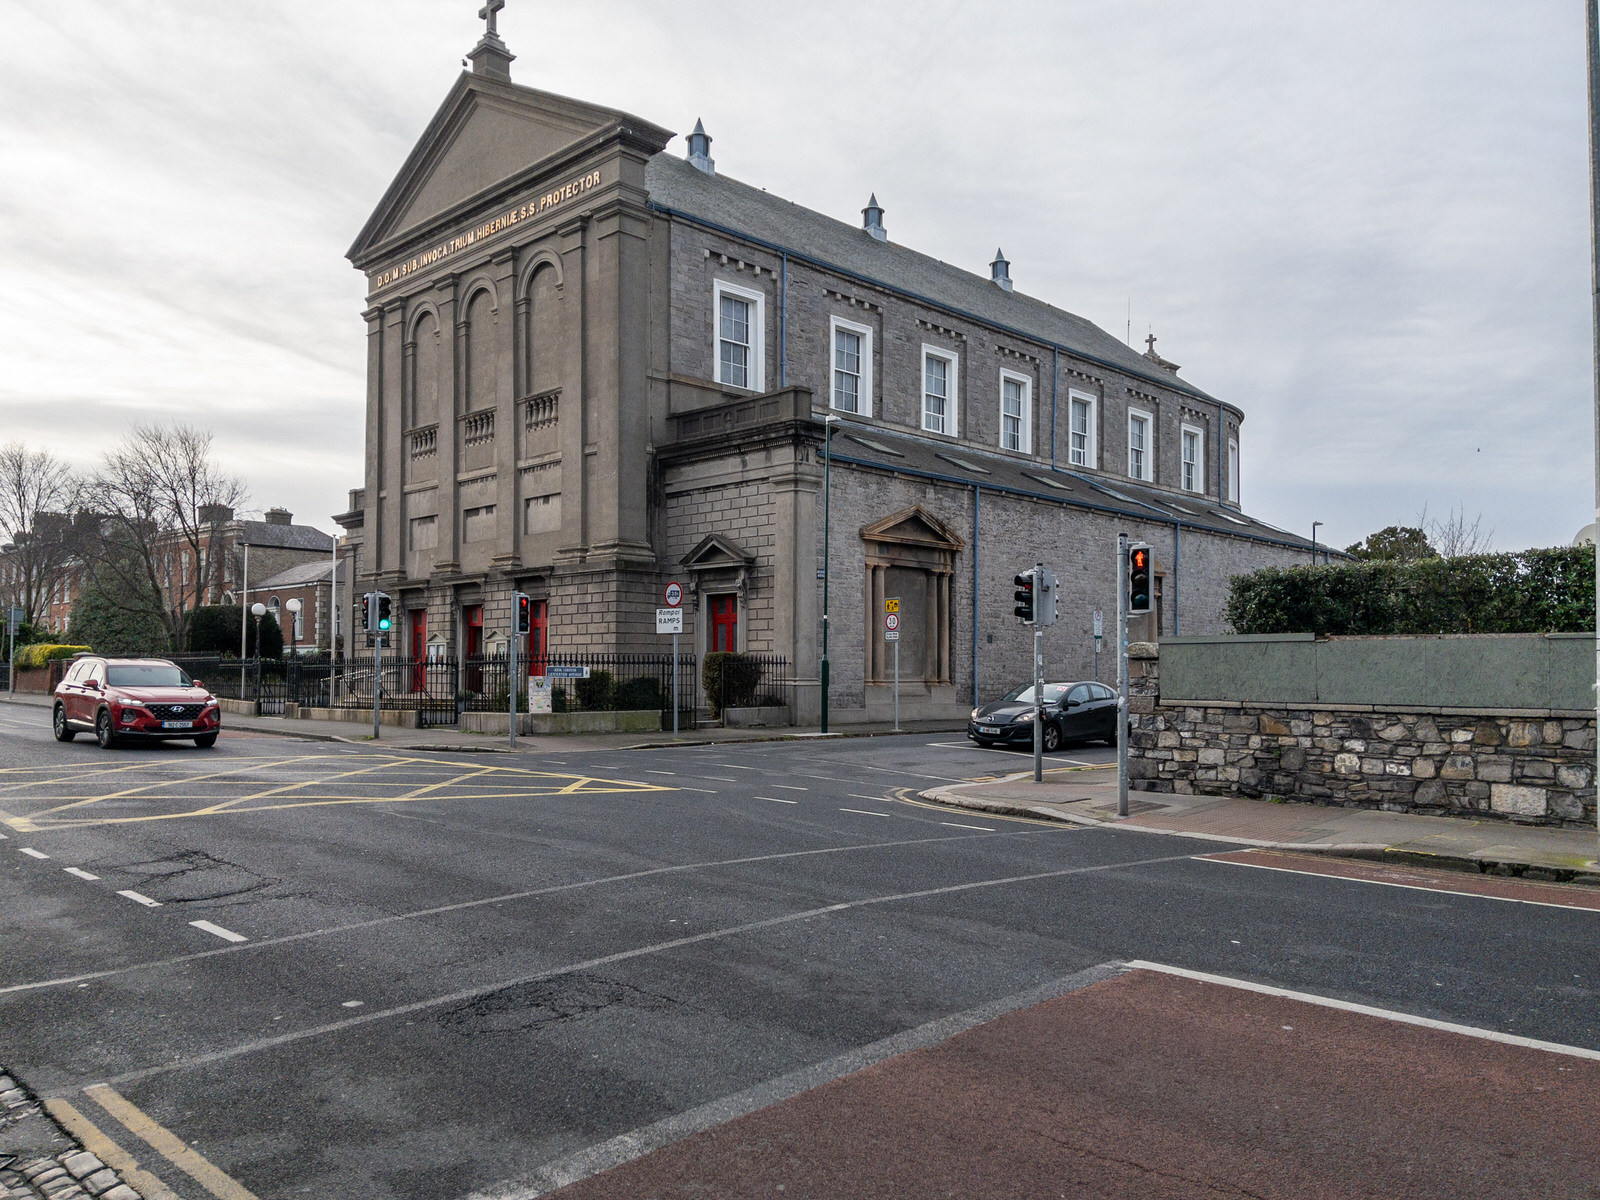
x: 244, y: 615
x: 512, y: 662
x: 377, y: 678
x: 827, y: 501
x: 897, y: 685
x: 1592, y: 33
x: 1314, y: 525
x: 1038, y: 691
x: 1122, y: 674
x: 674, y: 685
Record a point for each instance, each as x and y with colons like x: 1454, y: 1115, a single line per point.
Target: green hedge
x: 730, y: 680
x: 1531, y: 591
x: 31, y: 658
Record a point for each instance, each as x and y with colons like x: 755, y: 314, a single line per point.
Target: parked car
x: 1073, y: 712
x: 134, y: 699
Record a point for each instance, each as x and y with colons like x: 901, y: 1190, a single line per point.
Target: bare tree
x: 1455, y: 536
x: 159, y: 496
x: 39, y: 495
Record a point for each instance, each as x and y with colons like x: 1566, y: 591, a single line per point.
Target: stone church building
x: 595, y: 367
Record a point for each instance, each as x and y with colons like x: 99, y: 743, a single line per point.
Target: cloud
x: 1365, y: 225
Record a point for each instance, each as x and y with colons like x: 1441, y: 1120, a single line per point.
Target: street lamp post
x: 293, y: 607
x: 258, y: 610
x: 828, y: 423
x: 1314, y: 526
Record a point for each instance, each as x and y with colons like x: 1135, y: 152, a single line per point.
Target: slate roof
x: 676, y: 186
x: 889, y: 449
x: 301, y: 575
x: 284, y: 537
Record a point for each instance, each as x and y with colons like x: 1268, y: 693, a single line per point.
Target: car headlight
x: 974, y: 714
x: 1026, y: 716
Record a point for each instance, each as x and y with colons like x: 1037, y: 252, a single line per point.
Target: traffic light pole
x: 1038, y: 705
x: 512, y: 687
x: 1122, y: 674
x: 377, y: 675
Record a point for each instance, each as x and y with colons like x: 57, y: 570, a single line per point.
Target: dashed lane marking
x: 169, y: 1145
x: 31, y: 852
x: 777, y: 799
x: 139, y: 899
x: 854, y: 796
x: 80, y: 873
x: 958, y: 825
x: 863, y: 812
x: 914, y: 774
x: 226, y: 935
x: 791, y: 787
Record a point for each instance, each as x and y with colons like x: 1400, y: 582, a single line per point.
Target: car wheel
x: 63, y: 731
x: 103, y: 732
x: 206, y: 740
x: 1052, y: 737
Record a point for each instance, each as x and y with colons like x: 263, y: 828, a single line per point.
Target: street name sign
x: 567, y: 672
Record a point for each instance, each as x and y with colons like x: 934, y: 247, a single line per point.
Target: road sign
x: 891, y: 604
x: 674, y: 595
x: 891, y: 621
x: 891, y: 635
x: 1099, y: 623
x: 567, y: 672
x: 669, y: 620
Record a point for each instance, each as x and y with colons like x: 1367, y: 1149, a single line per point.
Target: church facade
x: 595, y: 367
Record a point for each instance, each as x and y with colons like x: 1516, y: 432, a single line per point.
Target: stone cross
x: 1149, y: 341
x: 488, y: 13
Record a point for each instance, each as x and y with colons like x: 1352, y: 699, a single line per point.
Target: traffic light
x: 366, y: 612
x: 1045, y: 603
x: 1024, y: 596
x: 524, y: 603
x: 385, y: 620
x: 1138, y: 579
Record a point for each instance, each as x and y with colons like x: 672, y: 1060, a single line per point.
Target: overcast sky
x: 1365, y: 224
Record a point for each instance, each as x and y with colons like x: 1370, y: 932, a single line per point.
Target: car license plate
x: 990, y: 730
x: 177, y: 724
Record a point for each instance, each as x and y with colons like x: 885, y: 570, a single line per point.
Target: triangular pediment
x: 715, y: 551
x: 488, y: 136
x: 914, y: 526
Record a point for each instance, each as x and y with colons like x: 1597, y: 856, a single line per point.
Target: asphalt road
x: 460, y: 969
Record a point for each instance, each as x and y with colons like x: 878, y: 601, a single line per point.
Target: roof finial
x: 872, y: 219
x: 1000, y: 270
x: 700, y: 149
x: 490, y: 57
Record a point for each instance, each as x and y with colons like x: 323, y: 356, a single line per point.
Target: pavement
x: 1088, y: 796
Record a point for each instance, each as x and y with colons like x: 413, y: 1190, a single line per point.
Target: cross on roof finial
x: 1150, y: 341
x: 488, y: 12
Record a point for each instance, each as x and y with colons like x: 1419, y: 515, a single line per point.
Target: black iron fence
x: 440, y: 689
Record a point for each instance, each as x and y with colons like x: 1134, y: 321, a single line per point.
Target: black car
x: 1073, y: 712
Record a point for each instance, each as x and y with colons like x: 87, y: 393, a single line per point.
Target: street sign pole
x: 674, y: 685
x: 1121, y: 576
x: 891, y: 633
x: 512, y: 663
x: 670, y: 620
x: 377, y: 681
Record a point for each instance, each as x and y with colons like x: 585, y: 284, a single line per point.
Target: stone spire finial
x: 1000, y: 270
x: 490, y: 57
x: 872, y: 219
x: 700, y: 149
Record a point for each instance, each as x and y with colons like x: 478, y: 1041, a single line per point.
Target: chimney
x: 279, y: 516
x: 1000, y: 270
x: 700, y: 150
x: 872, y: 219
x: 215, y: 514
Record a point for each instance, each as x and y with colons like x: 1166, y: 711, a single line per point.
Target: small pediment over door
x: 914, y: 526
x: 718, y: 563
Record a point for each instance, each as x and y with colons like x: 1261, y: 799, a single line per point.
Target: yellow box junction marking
x: 459, y: 783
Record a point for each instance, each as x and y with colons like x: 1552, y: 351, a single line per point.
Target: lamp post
x: 828, y: 423
x: 293, y: 607
x: 258, y: 610
x: 1314, y: 526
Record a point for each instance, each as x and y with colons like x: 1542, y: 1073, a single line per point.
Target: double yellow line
x: 166, y: 1143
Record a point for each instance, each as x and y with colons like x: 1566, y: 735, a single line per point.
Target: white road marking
x: 720, y: 778
x: 80, y: 873
x: 915, y: 775
x: 31, y: 852
x: 777, y: 800
x: 1412, y: 887
x: 226, y: 935
x: 353, y: 1004
x: 791, y: 787
x: 879, y: 799
x: 1388, y: 1014
x: 138, y: 899
x: 958, y: 825
x: 733, y: 766
x: 706, y: 791
x: 863, y: 812
x: 660, y: 772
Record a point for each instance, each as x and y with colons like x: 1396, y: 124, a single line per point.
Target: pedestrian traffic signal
x: 524, y: 603
x: 385, y: 620
x: 1024, y: 596
x: 1138, y: 579
x: 367, y: 612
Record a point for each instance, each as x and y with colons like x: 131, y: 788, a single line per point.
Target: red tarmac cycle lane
x: 1151, y: 1086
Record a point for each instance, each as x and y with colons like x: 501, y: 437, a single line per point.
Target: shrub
x: 730, y: 680
x: 642, y: 692
x: 214, y: 629
x: 31, y: 658
x: 1531, y: 591
x: 596, y: 693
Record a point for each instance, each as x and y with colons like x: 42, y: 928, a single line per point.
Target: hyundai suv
x: 134, y: 699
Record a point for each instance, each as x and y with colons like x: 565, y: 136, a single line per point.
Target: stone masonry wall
x: 1531, y: 767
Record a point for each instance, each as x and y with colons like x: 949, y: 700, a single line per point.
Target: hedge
x: 1530, y: 591
x: 730, y: 680
x: 31, y: 658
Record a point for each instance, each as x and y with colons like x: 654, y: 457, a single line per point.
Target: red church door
x: 724, y: 623
x: 472, y: 646
x: 419, y: 647
x: 538, y: 636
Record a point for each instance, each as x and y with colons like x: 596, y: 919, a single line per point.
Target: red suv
x: 137, y: 699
